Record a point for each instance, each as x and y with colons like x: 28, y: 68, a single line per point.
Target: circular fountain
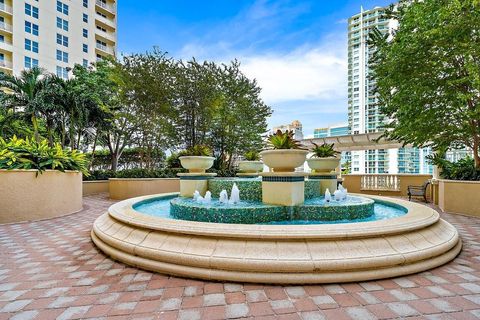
x: 246, y: 238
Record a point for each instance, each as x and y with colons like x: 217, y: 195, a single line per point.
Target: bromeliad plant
x: 323, y: 151
x: 283, y: 140
x: 198, y: 150
x: 29, y: 154
x: 252, y: 155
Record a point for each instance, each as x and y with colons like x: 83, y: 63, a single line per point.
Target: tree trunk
x: 35, y: 128
x: 476, y: 156
x: 93, y: 151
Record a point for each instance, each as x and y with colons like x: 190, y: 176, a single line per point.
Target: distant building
x: 364, y: 114
x: 332, y: 131
x: 295, y: 126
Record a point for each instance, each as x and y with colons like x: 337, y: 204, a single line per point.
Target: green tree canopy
x: 428, y: 75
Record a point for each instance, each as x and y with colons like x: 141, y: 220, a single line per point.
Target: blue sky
x: 295, y: 49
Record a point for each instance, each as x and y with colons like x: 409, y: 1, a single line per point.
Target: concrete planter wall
x: 459, y: 196
x: 95, y: 187
x: 120, y: 188
x: 25, y: 196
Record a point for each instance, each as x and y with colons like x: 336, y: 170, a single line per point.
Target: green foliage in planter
x: 463, y: 169
x: 28, y: 154
x: 323, y: 151
x: 252, y: 155
x: 198, y: 151
x: 283, y: 140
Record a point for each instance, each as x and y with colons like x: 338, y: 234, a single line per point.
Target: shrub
x: 28, y: 154
x: 283, y: 140
x: 463, y: 169
x: 134, y: 173
x: 323, y: 151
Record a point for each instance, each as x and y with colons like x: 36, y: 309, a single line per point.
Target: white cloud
x: 304, y: 74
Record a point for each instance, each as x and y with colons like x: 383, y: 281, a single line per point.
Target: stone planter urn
x: 323, y: 165
x: 196, y: 164
x: 250, y: 166
x: 284, y: 160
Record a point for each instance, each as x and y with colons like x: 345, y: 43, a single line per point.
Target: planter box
x: 120, y: 188
x: 95, y: 187
x: 25, y: 196
x: 456, y: 196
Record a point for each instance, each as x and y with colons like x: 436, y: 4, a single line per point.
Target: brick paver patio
x: 51, y: 270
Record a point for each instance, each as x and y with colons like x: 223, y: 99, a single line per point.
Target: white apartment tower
x: 56, y: 34
x: 364, y: 115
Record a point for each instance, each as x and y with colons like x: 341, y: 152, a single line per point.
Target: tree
x: 29, y: 94
x: 428, y: 75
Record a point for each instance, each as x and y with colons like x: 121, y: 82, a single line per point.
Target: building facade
x: 332, y: 131
x: 364, y: 114
x: 295, y: 126
x: 56, y: 34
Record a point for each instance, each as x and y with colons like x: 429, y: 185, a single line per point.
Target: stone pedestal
x: 283, y: 188
x: 327, y: 181
x: 189, y: 182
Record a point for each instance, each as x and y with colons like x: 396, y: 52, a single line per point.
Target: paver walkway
x: 51, y: 270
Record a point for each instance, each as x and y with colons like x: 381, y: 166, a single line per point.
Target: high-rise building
x: 295, y: 126
x: 331, y: 131
x: 364, y: 114
x: 56, y: 34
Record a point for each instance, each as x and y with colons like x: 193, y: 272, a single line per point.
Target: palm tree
x: 28, y: 94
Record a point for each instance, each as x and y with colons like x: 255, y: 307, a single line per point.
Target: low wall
x: 353, y: 183
x: 95, y: 187
x: 128, y: 188
x: 25, y: 196
x: 459, y: 196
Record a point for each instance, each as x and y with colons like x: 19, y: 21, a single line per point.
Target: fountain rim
x: 417, y: 217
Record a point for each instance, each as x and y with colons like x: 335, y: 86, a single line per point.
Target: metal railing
x: 384, y: 182
x: 104, y: 48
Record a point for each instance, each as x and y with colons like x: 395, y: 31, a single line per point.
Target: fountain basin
x: 254, y: 212
x: 315, y: 253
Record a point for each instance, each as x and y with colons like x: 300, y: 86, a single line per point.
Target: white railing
x: 5, y: 26
x: 105, y: 48
x: 105, y: 6
x: 384, y: 182
x: 6, y: 64
x: 5, y: 8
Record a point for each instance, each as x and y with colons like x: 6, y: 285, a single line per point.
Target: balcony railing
x: 6, y: 64
x: 105, y: 6
x: 105, y: 48
x: 5, y: 8
x: 5, y: 26
x: 382, y: 182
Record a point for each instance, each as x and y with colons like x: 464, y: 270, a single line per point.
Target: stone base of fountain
x: 191, y: 182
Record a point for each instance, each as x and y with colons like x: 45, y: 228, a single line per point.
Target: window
x: 101, y: 14
x: 30, y: 63
x: 85, y: 18
x: 31, y: 28
x: 31, y: 45
x: 62, y: 24
x: 101, y: 29
x: 2, y: 38
x: 62, y: 7
x: 62, y: 40
x: 62, y: 72
x: 62, y: 56
x: 85, y: 3
x: 85, y: 63
x: 85, y: 33
x: 31, y: 11
x: 2, y: 57
x: 102, y: 45
x: 85, y: 48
